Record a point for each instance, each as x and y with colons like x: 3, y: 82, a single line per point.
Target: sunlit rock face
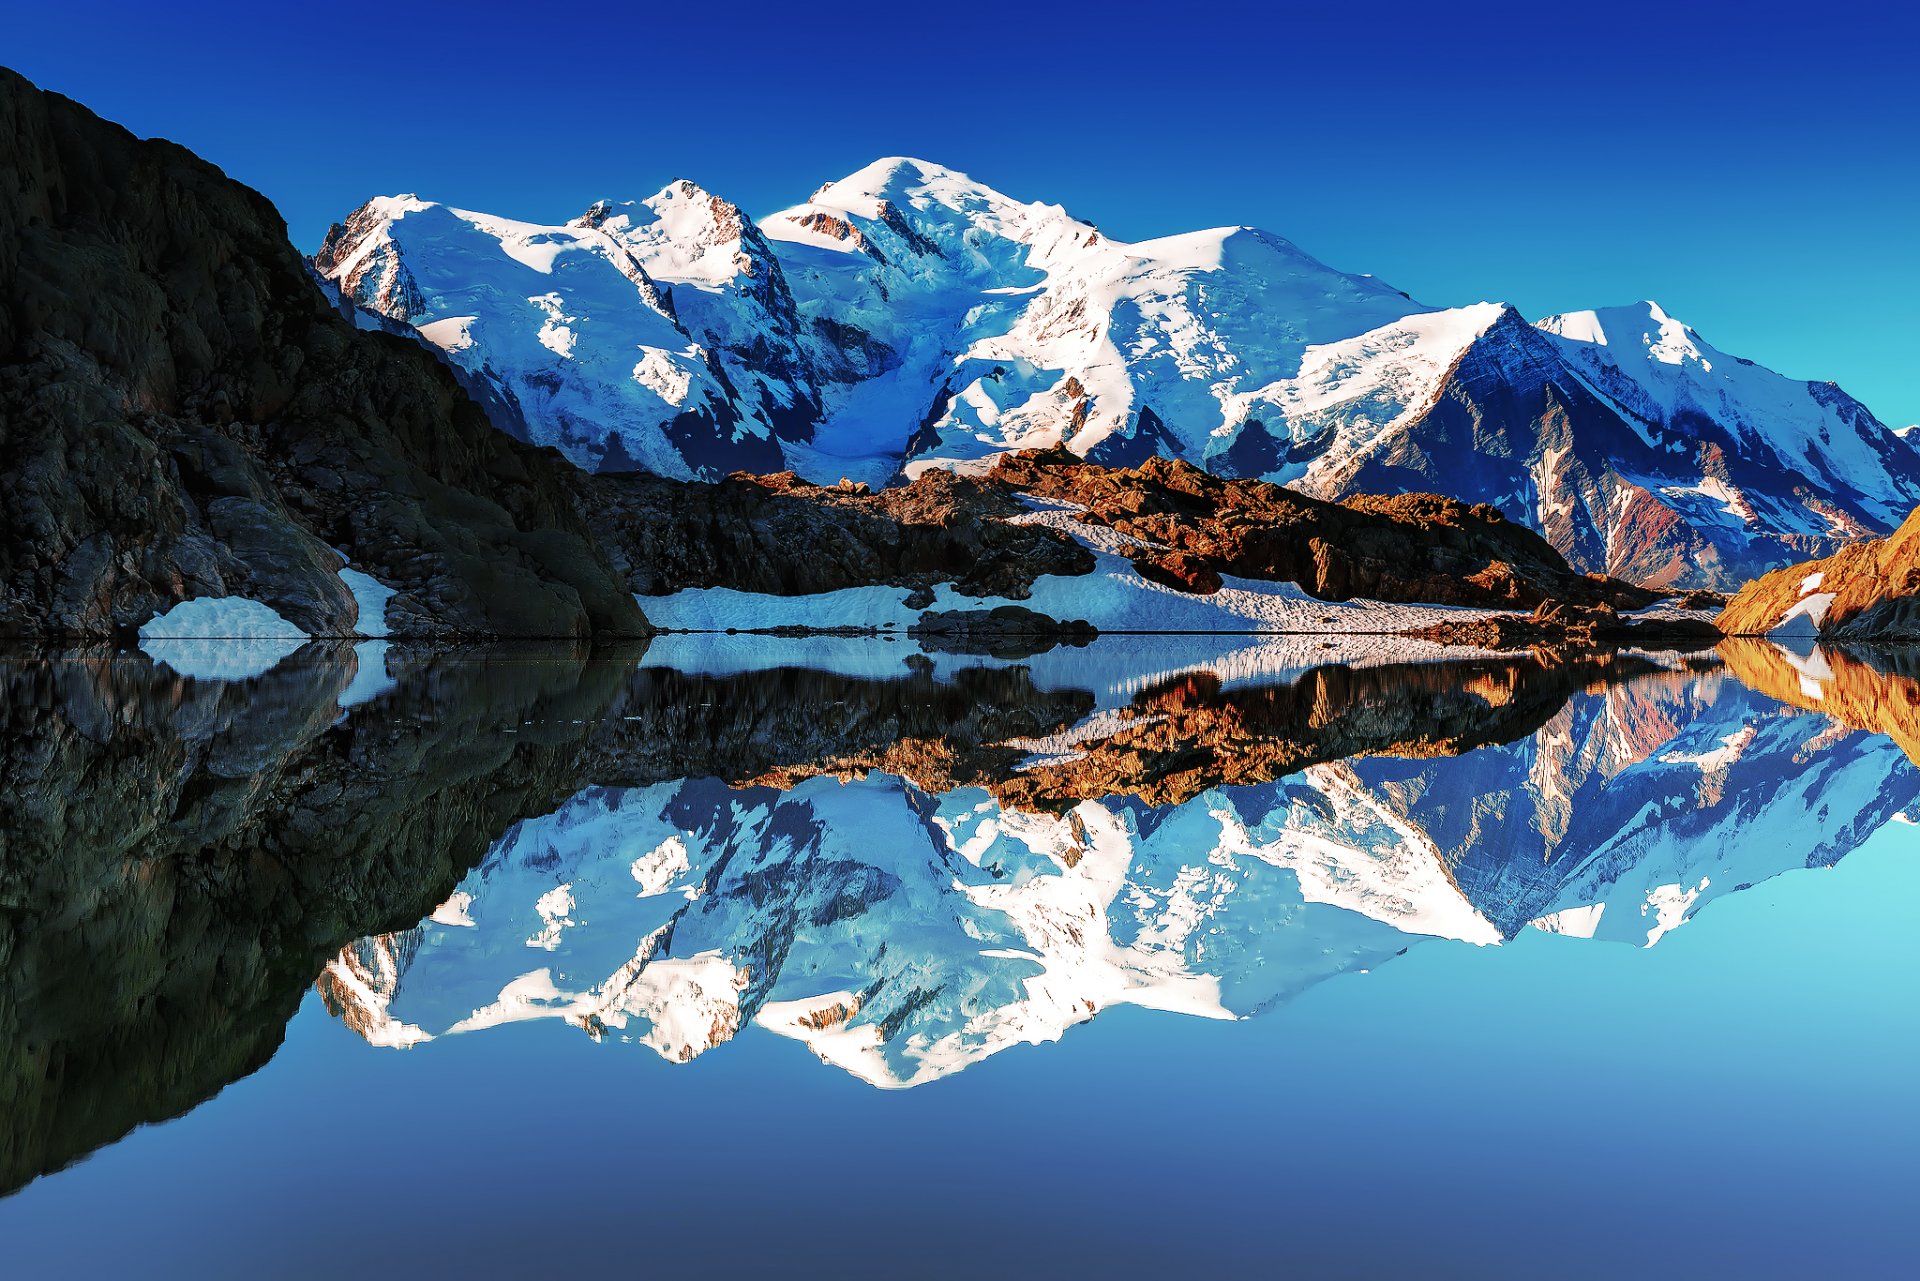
x: 1864, y: 593
x: 1205, y: 846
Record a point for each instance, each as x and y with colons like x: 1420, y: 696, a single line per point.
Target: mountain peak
x: 1637, y: 325
x: 893, y: 173
x: 681, y: 189
x: 903, y: 182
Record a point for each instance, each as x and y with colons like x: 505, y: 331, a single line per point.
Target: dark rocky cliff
x: 182, y: 415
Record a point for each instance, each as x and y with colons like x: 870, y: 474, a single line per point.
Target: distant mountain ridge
x: 908, y: 316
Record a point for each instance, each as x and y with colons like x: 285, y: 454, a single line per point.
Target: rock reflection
x: 907, y: 870
x: 1863, y: 687
x: 178, y: 858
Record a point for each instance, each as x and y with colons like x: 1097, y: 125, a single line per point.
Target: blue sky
x: 1754, y: 168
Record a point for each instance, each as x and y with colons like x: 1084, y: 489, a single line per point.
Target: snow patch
x: 1803, y: 620
x: 226, y: 638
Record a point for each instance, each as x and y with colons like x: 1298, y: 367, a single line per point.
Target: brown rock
x: 1875, y: 586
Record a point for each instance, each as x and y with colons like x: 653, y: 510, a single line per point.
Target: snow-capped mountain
x: 908, y: 316
x: 904, y: 934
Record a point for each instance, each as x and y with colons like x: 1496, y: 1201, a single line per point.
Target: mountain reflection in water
x: 906, y: 863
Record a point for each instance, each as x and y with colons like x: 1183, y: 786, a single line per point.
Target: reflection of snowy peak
x: 908, y: 316
x: 904, y: 935
x: 1633, y: 808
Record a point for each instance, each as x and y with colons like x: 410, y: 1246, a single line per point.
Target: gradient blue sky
x: 1755, y: 168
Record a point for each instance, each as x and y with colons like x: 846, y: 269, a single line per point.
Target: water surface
x: 1192, y: 955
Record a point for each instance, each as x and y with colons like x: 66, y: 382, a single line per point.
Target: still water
x: 1160, y: 956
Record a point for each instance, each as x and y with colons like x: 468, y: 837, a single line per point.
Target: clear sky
x: 1755, y: 168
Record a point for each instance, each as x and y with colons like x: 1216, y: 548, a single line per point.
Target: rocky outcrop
x: 1193, y: 527
x: 1006, y: 631
x: 1866, y: 591
x: 785, y: 536
x: 183, y: 415
x: 1045, y: 512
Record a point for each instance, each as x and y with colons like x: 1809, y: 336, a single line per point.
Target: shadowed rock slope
x: 182, y: 415
x: 1181, y: 528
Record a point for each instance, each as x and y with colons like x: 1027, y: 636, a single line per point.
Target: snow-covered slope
x: 1019, y: 326
x: 565, y: 332
x: 1661, y: 371
x: 909, y: 316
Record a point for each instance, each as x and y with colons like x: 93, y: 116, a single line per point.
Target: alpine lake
x: 830, y: 956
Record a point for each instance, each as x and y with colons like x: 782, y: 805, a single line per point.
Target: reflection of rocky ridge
x: 1875, y: 689
x: 1188, y: 735
x: 178, y: 858
x: 906, y: 873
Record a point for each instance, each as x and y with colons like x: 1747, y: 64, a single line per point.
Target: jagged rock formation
x: 785, y: 536
x: 1867, y: 591
x: 182, y: 415
x: 1195, y: 527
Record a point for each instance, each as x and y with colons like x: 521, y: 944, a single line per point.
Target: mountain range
x: 907, y: 317
x: 207, y: 434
